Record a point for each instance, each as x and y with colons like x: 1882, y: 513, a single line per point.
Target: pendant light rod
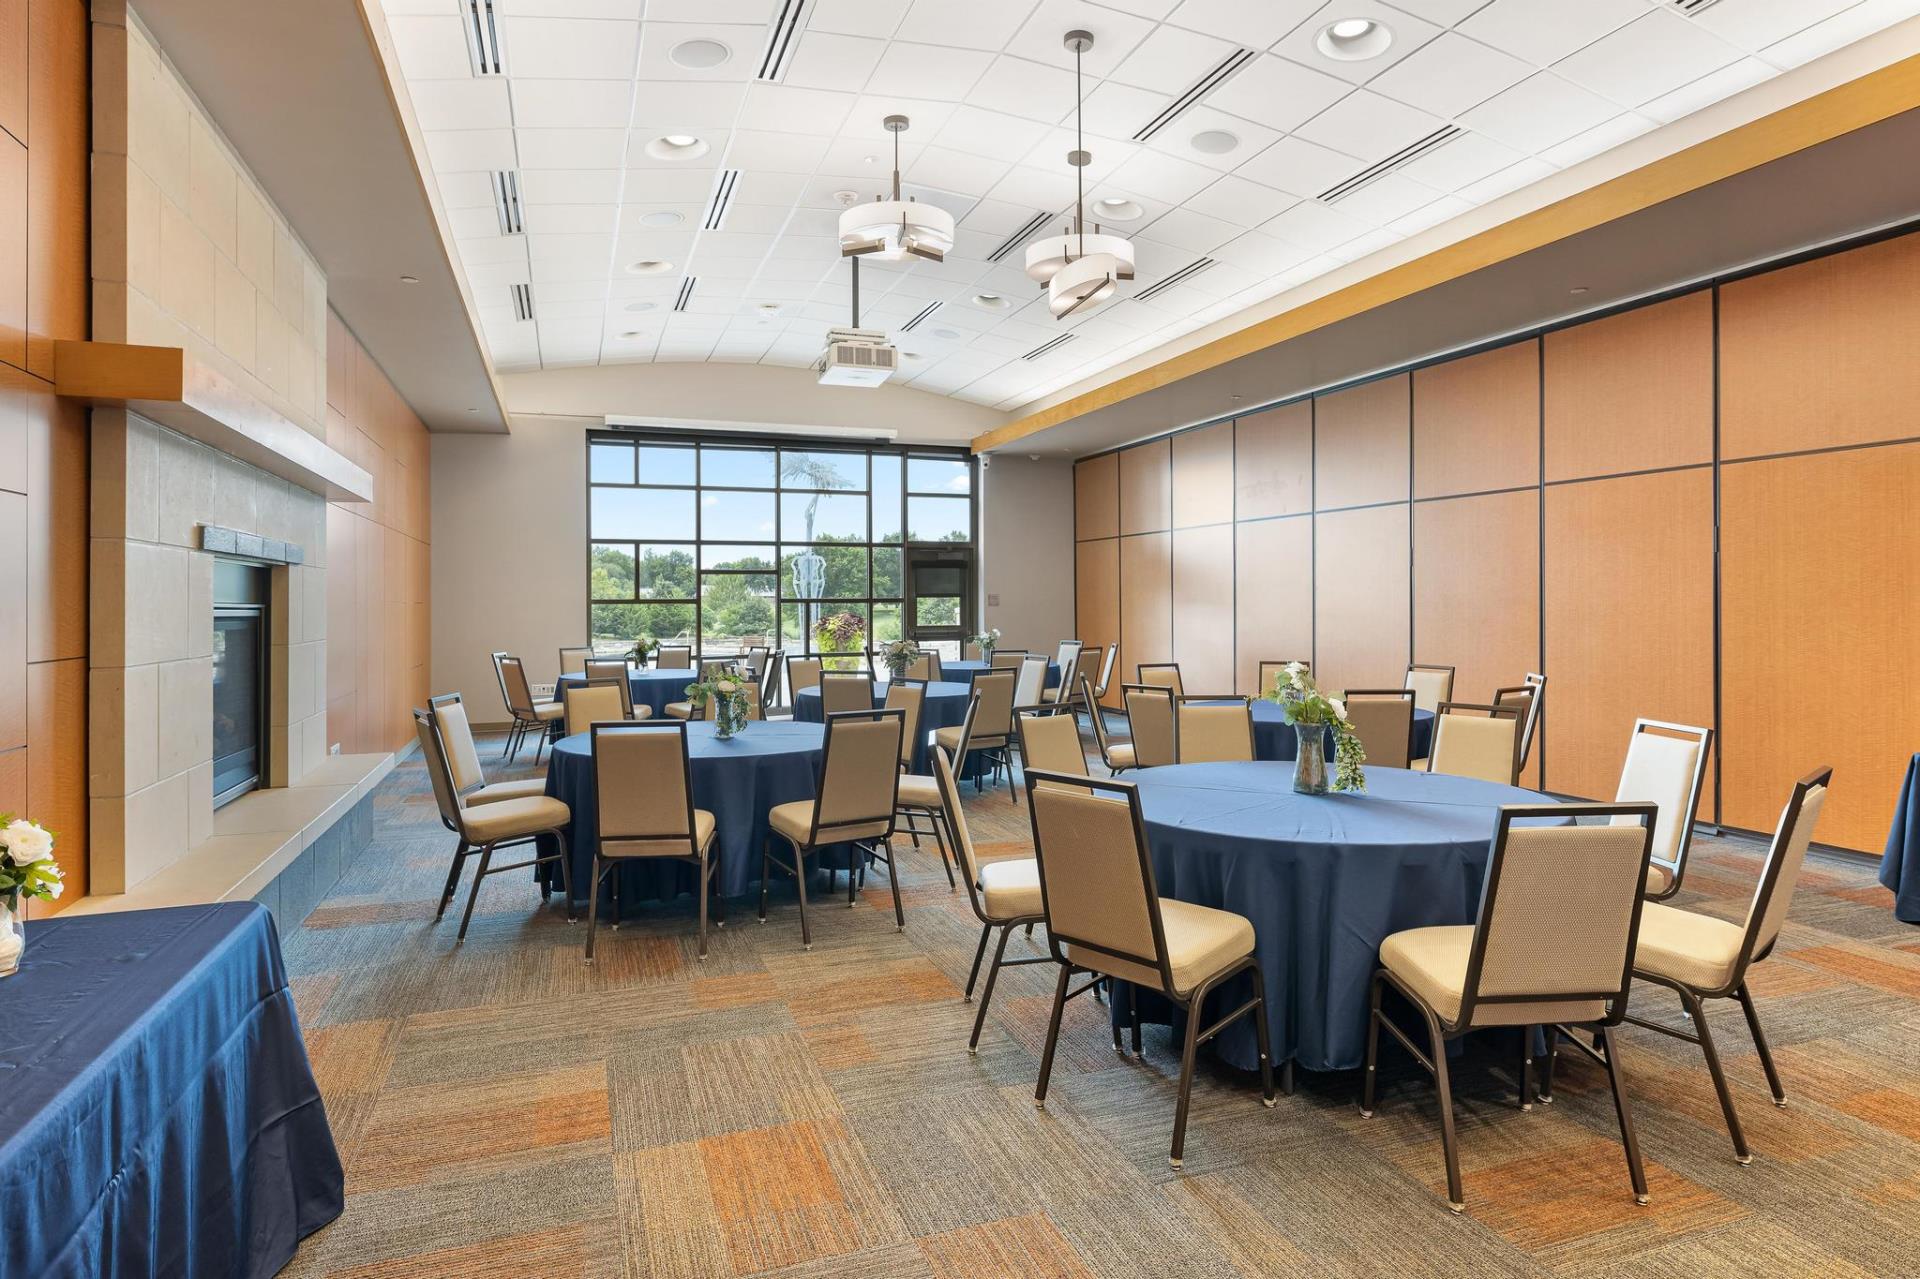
x: 1079, y: 41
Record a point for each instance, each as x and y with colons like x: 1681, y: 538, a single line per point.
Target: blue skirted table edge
x: 1900, y: 865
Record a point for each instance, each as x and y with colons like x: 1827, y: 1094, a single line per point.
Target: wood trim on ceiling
x: 1871, y: 98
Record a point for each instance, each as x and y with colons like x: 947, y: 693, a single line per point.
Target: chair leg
x: 1053, y: 1034
x: 453, y: 879
x: 1265, y: 1044
x: 1760, y: 1044
x: 851, y: 887
x: 940, y: 840
x: 1450, y: 1143
x: 800, y: 878
x: 1546, y: 1070
x: 893, y: 879
x: 979, y: 953
x: 1188, y: 1051
x: 1741, y: 1154
x: 702, y: 872
x: 1526, y: 1068
x: 566, y: 870
x: 473, y: 894
x: 593, y: 907
x: 1367, y: 1077
x: 1625, y: 1114
x: 986, y: 992
x: 766, y: 868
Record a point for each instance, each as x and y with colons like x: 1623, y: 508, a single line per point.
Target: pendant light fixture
x: 896, y: 229
x: 1080, y: 269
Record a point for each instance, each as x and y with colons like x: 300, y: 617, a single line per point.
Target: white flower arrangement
x: 1302, y: 702
x: 986, y: 641
x: 27, y: 868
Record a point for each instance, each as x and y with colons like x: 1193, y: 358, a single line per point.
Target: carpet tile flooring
x: 506, y: 1111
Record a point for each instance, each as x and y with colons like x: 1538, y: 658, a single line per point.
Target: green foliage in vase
x: 1301, y: 702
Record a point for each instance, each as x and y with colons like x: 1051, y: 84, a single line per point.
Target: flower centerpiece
x: 898, y: 656
x: 643, y: 649
x: 986, y: 641
x: 1313, y: 715
x: 840, y: 633
x: 726, y: 688
x: 27, y: 869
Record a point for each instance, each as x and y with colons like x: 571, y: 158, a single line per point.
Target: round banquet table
x: 770, y: 762
x: 1274, y: 738
x: 651, y: 688
x: 967, y: 670
x: 1324, y: 878
x: 944, y: 706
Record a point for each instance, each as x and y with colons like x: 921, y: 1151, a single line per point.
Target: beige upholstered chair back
x: 1524, y: 698
x: 1066, y: 652
x: 1273, y: 670
x: 1558, y: 915
x: 1163, y: 675
x: 1150, y: 716
x: 770, y: 678
x: 1091, y: 696
x: 1666, y: 764
x: 1213, y: 731
x: 573, y: 661
x: 594, y: 702
x: 802, y: 673
x: 756, y: 662
x: 1431, y: 686
x: 674, y: 657
x: 445, y: 796
x: 1382, y: 719
x: 949, y: 785
x: 924, y: 666
x: 1768, y: 910
x: 756, y: 705
x: 1088, y: 659
x: 1031, y: 680
x: 1476, y: 741
x: 606, y: 668
x: 456, y: 744
x: 1052, y: 742
x: 860, y: 778
x: 970, y: 651
x: 1094, y: 877
x: 513, y: 678
x: 713, y: 668
x: 842, y: 691
x: 641, y: 789
x: 1107, y: 664
x: 1538, y: 683
x: 907, y: 699
x: 1008, y: 658
x: 993, y: 719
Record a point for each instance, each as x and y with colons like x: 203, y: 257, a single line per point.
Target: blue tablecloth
x: 157, y: 1112
x: 1274, y: 738
x: 1325, y: 879
x: 653, y: 689
x: 967, y: 670
x: 944, y: 706
x: 770, y: 762
x: 1900, y: 867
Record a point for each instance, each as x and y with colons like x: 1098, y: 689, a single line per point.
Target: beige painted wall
x: 1026, y: 549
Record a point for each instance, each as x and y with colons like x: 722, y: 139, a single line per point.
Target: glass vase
x: 13, y: 934
x: 727, y: 717
x: 1310, y: 759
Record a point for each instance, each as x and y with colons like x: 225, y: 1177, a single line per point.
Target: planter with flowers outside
x: 840, y: 633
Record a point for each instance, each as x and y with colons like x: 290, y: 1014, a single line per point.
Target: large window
x: 725, y: 544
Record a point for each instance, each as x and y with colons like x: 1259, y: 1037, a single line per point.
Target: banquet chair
x: 1475, y: 740
x: 1552, y: 946
x: 595, y: 701
x: 528, y: 715
x: 918, y: 795
x: 1031, y: 681
x: 988, y: 729
x: 573, y: 661
x: 1066, y: 651
x: 1667, y: 765
x: 1067, y: 692
x: 1431, y: 686
x: 1382, y: 718
x: 1700, y: 957
x: 643, y: 795
x: 1161, y: 675
x: 857, y: 794
x: 969, y: 651
x: 1066, y: 656
x: 470, y: 784
x: 1272, y: 670
x: 924, y: 666
x: 756, y: 661
x: 802, y: 673
x: 1008, y: 658
x: 756, y: 705
x: 1005, y: 894
x: 1538, y: 683
x: 1107, y: 663
x: 1155, y: 728
x: 1105, y: 918
x: 711, y: 669
x: 1214, y: 730
x: 605, y: 668
x: 483, y: 828
x: 1115, y: 755
x: 845, y: 691
x: 770, y: 680
x: 673, y: 657
x: 1051, y: 743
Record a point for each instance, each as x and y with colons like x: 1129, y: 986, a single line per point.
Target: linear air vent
x: 523, y: 301
x: 918, y: 316
x: 783, y: 38
x: 506, y: 202
x: 483, y: 36
x: 686, y: 293
x: 1405, y: 155
x: 722, y: 199
x: 1688, y: 8
x: 1048, y: 347
x: 1223, y: 71
x: 1019, y: 237
x: 1181, y: 276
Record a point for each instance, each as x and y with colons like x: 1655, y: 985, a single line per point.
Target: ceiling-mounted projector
x: 857, y: 357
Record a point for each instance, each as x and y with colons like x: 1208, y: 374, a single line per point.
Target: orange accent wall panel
x: 58, y: 164
x: 1821, y: 353
x: 1476, y: 422
x: 1628, y: 585
x: 1203, y: 477
x: 13, y: 620
x: 1360, y: 445
x: 1820, y: 571
x: 1476, y: 592
x: 1273, y: 574
x: 1631, y: 392
x: 1146, y: 602
x: 13, y: 68
x: 1273, y: 462
x: 58, y: 466
x: 57, y: 766
x: 1360, y: 597
x: 13, y: 252
x: 1096, y: 612
x: 1145, y: 488
x: 1096, y: 497
x: 1203, y: 607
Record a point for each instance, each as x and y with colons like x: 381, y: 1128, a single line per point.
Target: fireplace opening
x: 240, y: 668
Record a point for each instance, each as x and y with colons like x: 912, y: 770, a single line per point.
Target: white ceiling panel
x: 1301, y: 168
x: 1252, y: 26
x: 1243, y: 203
x: 1315, y: 226
x: 1466, y: 159
x: 1021, y: 87
x: 1171, y: 59
x: 1369, y: 126
x: 1386, y: 198
x: 1164, y: 177
x: 1450, y: 75
x: 430, y: 47
x: 455, y: 150
x: 927, y: 71
x: 1183, y: 138
x: 827, y: 61
x: 983, y: 24
x: 745, y: 45
x: 1601, y: 138
x: 1544, y: 31
x: 571, y: 148
x: 571, y: 104
x: 1278, y: 94
x: 462, y: 104
x: 1707, y: 90
x: 1646, y: 58
x: 1541, y: 111
x: 1755, y: 24
x: 1115, y: 35
x: 558, y: 48
x: 688, y: 104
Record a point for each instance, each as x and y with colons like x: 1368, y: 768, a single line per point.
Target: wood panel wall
x: 377, y: 557
x: 1552, y: 504
x: 43, y: 441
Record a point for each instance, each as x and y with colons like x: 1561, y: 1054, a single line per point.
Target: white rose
x: 26, y: 842
x: 1339, y: 707
x: 727, y: 686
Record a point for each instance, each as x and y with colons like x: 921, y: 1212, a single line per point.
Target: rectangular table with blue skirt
x: 158, y: 1115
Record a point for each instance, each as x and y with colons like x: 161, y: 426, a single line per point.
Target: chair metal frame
x: 1179, y: 685
x: 663, y: 649
x: 843, y: 679
x: 999, y: 752
x: 626, y: 700
x: 1173, y: 718
x: 1431, y: 666
x: 997, y: 662
x: 575, y: 648
x: 908, y: 744
x: 1097, y: 714
x: 524, y: 718
x: 706, y: 869
x: 1678, y: 866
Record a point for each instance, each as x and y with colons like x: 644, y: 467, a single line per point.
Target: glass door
x: 940, y: 600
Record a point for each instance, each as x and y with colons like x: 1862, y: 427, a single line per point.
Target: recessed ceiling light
x: 661, y: 217
x: 1115, y: 208
x: 409, y: 279
x: 634, y: 333
x: 1215, y: 141
x: 1354, y: 39
x: 948, y: 334
x: 649, y: 266
x: 641, y: 306
x: 677, y: 146
x: 699, y: 55
x: 991, y: 301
